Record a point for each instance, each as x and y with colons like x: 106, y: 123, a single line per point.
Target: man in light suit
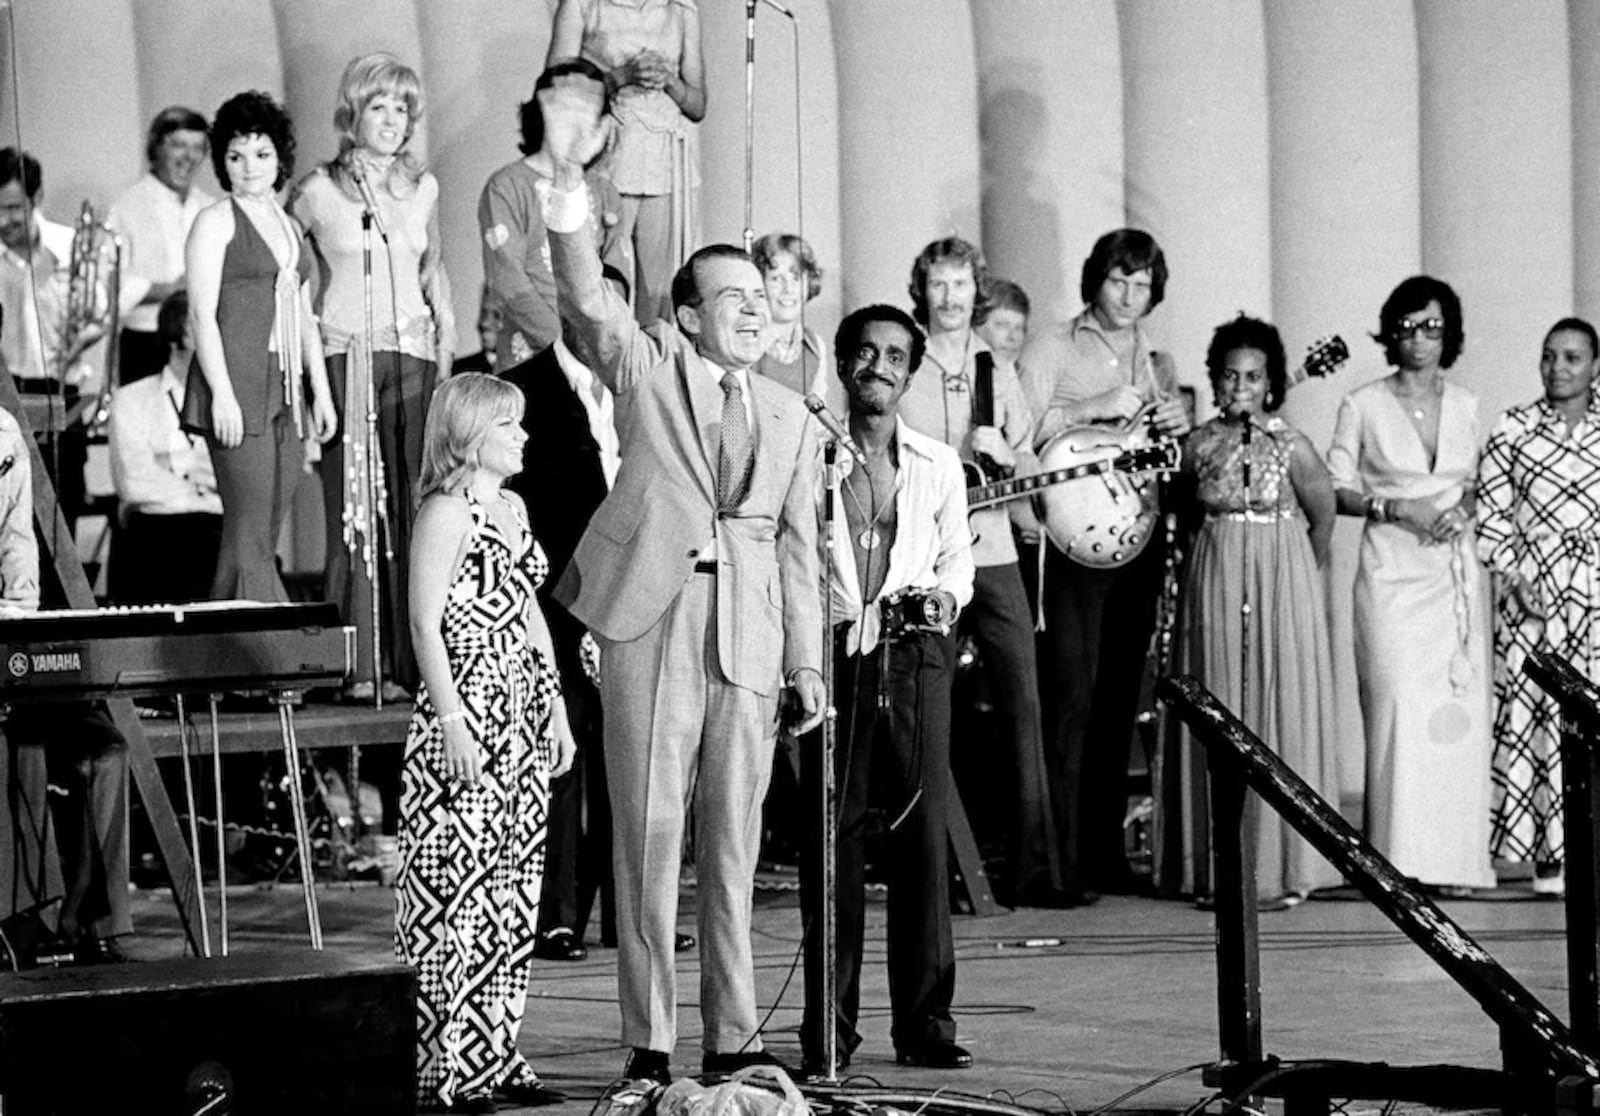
x: 698, y: 575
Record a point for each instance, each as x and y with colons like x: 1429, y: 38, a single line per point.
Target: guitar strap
x: 983, y: 389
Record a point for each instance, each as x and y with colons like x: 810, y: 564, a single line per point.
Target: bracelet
x: 1376, y: 508
x: 453, y: 715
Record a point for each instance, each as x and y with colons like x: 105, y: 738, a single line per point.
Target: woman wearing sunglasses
x: 1404, y: 457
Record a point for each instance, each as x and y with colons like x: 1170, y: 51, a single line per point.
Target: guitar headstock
x: 1325, y: 356
x: 1158, y: 457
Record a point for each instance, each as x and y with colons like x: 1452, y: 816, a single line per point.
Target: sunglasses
x: 1431, y: 328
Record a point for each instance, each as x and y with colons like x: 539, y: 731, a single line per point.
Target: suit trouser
x: 577, y: 851
x: 892, y: 751
x: 679, y: 737
x: 1098, y: 627
x: 999, y: 620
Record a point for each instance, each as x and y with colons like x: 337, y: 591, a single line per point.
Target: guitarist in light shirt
x: 1099, y: 368
x: 975, y: 404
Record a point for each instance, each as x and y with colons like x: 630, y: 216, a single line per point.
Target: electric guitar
x: 1160, y: 457
x: 1108, y: 523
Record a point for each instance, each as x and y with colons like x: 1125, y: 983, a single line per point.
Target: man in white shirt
x: 153, y: 217
x: 169, y: 516
x: 902, y: 571
x: 35, y: 261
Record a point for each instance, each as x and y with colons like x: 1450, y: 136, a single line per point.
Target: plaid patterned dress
x: 472, y: 858
x: 1538, y: 516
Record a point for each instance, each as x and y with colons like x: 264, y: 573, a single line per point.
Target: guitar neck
x: 1000, y: 492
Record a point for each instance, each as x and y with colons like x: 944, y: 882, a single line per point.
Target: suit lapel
x: 705, y: 409
x: 765, y: 406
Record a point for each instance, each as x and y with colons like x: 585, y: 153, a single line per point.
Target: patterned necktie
x: 737, y: 454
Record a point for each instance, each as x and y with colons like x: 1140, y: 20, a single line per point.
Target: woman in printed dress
x: 487, y: 735
x: 1269, y: 513
x: 1539, y: 534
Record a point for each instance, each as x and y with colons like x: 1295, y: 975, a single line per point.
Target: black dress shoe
x: 1054, y: 898
x: 934, y: 1054
x: 559, y: 944
x: 814, y: 1070
x: 648, y: 1065
x: 719, y: 1064
x: 682, y: 943
x: 529, y: 1094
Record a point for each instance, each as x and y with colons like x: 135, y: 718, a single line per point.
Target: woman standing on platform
x: 798, y: 356
x: 412, y: 345
x: 1405, y: 458
x: 1269, y: 512
x: 254, y: 357
x: 655, y: 75
x: 1539, y: 532
x: 487, y: 735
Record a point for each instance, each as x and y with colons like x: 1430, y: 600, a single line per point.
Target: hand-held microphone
x: 368, y: 198
x: 833, y: 426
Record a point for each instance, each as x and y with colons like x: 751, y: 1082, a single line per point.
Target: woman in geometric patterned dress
x: 488, y: 732
x: 1539, y: 532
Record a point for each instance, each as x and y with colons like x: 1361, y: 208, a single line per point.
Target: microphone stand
x: 830, y: 809
x: 367, y: 466
x: 1246, y: 607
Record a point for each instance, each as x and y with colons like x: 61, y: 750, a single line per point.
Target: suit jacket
x: 641, y: 547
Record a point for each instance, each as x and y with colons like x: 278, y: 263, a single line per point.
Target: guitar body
x: 1104, y: 520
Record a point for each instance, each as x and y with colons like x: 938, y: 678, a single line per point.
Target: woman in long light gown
x: 1405, y: 457
x: 1269, y: 511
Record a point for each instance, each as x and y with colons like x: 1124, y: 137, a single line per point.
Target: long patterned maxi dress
x: 472, y: 858
x: 1538, y: 516
x: 1253, y: 541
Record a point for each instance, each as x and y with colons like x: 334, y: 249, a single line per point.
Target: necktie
x: 737, y: 454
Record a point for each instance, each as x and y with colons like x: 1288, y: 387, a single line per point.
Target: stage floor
x: 1127, y: 996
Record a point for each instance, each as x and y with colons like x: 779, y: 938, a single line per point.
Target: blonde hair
x: 459, y: 418
x: 366, y: 77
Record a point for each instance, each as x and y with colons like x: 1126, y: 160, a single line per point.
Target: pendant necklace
x: 868, y: 538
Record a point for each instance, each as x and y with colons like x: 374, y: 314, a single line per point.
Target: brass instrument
x: 92, y: 313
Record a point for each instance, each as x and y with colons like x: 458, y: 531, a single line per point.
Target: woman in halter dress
x: 254, y: 361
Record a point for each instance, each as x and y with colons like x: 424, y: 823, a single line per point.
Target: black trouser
x: 893, y: 753
x: 164, y: 559
x: 578, y: 833
x: 403, y: 390
x: 998, y: 619
x: 1098, y: 626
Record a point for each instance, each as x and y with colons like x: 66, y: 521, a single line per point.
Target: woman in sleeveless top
x: 253, y: 362
x: 797, y: 357
x: 1404, y: 457
x: 1266, y: 541
x: 488, y: 733
x: 650, y: 52
x: 413, y: 339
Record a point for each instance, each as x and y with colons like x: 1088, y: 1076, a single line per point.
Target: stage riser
x: 301, y: 1033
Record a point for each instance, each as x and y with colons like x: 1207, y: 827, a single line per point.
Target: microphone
x: 833, y: 426
x: 1244, y: 436
x: 773, y: 4
x: 368, y: 198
